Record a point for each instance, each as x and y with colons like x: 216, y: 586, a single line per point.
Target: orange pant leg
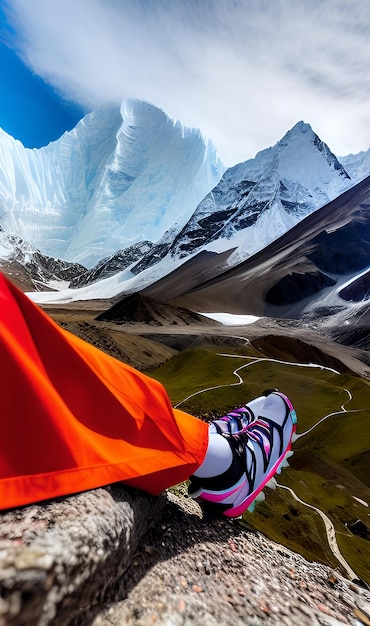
x: 74, y: 418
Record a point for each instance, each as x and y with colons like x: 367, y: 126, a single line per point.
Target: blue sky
x: 31, y: 110
x: 243, y: 71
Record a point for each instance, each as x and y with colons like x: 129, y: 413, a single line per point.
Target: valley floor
x: 323, y: 479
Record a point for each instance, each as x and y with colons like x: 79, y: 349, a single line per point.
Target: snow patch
x: 229, y: 319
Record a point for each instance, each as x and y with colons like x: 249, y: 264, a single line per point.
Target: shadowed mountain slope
x: 357, y: 333
x: 322, y: 252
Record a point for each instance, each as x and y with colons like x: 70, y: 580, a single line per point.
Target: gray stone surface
x: 58, y: 560
x: 112, y: 557
x: 198, y: 571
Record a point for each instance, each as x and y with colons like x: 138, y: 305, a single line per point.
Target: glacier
x: 131, y: 194
x: 122, y: 175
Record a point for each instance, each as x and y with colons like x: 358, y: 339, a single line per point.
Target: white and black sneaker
x: 259, y: 450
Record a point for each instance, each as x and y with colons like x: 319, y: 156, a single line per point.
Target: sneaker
x: 238, y: 420
x: 259, y: 451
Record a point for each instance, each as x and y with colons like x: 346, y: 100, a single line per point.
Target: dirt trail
x: 330, y: 533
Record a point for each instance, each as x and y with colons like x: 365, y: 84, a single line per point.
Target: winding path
x: 329, y: 526
x: 330, y: 533
x: 253, y: 361
x: 343, y: 410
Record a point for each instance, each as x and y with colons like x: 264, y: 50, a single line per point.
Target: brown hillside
x: 143, y: 310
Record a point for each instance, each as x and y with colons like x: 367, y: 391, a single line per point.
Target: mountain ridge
x: 252, y: 204
x: 355, y: 201
x: 257, y: 193
x: 306, y: 273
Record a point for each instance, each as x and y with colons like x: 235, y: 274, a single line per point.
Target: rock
x: 59, y: 560
x: 245, y: 579
x: 94, y: 560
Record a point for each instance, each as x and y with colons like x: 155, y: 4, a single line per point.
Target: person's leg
x: 73, y: 418
x: 238, y: 464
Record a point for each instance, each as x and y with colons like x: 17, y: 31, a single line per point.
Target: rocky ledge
x: 59, y: 560
x: 115, y: 556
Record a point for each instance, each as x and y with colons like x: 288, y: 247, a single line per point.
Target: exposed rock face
x: 111, y: 265
x: 195, y: 570
x: 61, y: 561
x: 358, y: 290
x: 294, y: 286
x: 39, y: 269
x: 346, y: 249
x: 58, y: 560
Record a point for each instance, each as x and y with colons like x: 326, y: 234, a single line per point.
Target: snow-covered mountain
x: 258, y: 200
x: 356, y: 165
x: 317, y: 272
x: 111, y: 265
x: 132, y: 195
x: 254, y: 203
x: 43, y: 271
x: 122, y: 175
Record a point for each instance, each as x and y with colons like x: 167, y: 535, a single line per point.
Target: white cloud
x: 244, y: 71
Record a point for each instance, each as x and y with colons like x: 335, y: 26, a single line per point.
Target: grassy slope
x: 330, y: 464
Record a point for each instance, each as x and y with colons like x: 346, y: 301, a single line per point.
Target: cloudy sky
x: 243, y: 71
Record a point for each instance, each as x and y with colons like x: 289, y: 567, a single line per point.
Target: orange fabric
x: 74, y: 418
